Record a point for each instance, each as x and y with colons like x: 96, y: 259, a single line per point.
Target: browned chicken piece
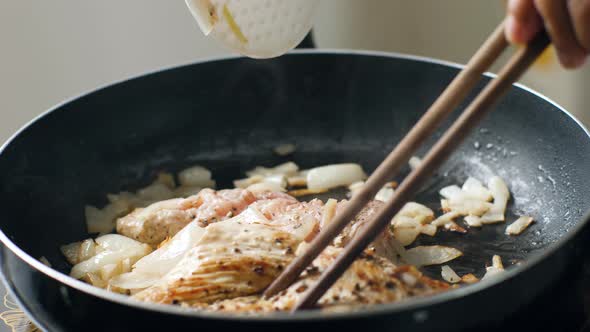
x: 160, y: 220
x: 234, y: 258
x: 382, y: 245
x: 370, y: 280
x: 242, y: 255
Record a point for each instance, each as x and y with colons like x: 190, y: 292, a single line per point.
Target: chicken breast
x: 233, y: 258
x: 160, y: 220
x: 240, y: 256
x: 382, y: 245
x: 370, y: 280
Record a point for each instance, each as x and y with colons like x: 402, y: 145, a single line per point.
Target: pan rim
x: 391, y: 308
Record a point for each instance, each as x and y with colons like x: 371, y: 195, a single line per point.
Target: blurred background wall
x: 52, y: 50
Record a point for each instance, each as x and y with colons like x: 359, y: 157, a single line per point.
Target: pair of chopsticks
x: 458, y: 90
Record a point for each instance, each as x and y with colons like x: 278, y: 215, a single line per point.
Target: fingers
x: 559, y: 26
x: 579, y: 11
x: 523, y: 21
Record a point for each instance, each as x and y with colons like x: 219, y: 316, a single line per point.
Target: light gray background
x: 52, y: 50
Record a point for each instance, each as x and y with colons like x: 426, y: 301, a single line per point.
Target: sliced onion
x: 449, y: 275
x: 476, y: 189
x: 99, y: 221
x: 134, y: 280
x: 71, y: 252
x: 306, y: 192
x: 384, y: 194
x: 431, y: 255
x: 451, y: 192
x: 414, y: 162
x: 501, y: 196
x: 116, y: 248
x: 466, y: 206
x: 297, y: 180
x: 184, y: 191
x: 496, y: 268
x: 473, y: 221
x: 469, y: 278
x: 519, y: 225
x: 428, y: 229
x: 446, y: 219
x: 328, y: 212
x: 87, y: 250
x: 265, y: 186
x: 166, y: 179
x: 333, y: 176
x: 245, y: 183
x: 196, y: 176
x: 412, y: 220
x: 287, y: 169
x: 406, y: 235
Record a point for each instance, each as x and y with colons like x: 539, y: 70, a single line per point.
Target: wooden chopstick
x: 510, y: 73
x: 456, y: 91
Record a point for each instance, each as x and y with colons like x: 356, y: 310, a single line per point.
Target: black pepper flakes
x: 390, y: 285
x: 301, y: 288
x: 259, y: 270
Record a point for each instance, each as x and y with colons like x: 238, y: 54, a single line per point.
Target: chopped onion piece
x: 166, y: 179
x: 328, y: 212
x: 406, y: 235
x: 431, y: 255
x: 446, y: 219
x: 466, y: 206
x: 99, y: 221
x: 428, y: 229
x: 287, y: 169
x: 519, y: 225
x: 297, y: 180
x: 496, y: 268
x: 87, y: 250
x: 71, y: 252
x: 412, y: 220
x: 476, y: 189
x: 333, y: 176
x: 419, y: 212
x: 414, y: 162
x: 155, y: 192
x: 306, y: 192
x: 115, y: 248
x: 469, y: 278
x: 196, y: 176
x: 449, y: 275
x: 284, y: 149
x: 384, y: 194
x: 473, y: 221
x: 501, y: 195
x: 265, y: 186
x: 245, y: 183
x: 451, y: 192
x: 184, y: 191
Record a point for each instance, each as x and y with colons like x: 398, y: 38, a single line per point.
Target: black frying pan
x: 228, y: 114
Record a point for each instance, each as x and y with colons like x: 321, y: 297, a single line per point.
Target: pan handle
x: 308, y: 41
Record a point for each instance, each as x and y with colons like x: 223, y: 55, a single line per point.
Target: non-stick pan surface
x: 227, y: 115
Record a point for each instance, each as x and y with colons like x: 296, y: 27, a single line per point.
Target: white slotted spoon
x: 255, y: 28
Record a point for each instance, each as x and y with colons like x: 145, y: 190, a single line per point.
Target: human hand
x: 567, y: 22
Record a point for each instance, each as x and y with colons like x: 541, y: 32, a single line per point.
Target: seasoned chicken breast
x: 237, y: 257
x: 160, y: 220
x: 370, y: 280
